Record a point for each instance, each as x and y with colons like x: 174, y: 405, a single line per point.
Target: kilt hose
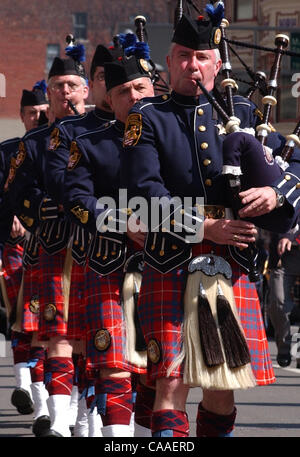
x: 161, y: 313
x: 13, y: 269
x: 60, y: 295
x: 105, y: 333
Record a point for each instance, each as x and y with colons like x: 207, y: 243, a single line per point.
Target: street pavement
x: 268, y: 411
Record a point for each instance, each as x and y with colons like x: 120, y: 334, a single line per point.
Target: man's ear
x: 218, y: 66
x: 108, y: 100
x: 86, y: 91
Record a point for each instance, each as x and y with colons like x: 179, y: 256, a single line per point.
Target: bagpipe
x: 141, y: 32
x: 247, y: 161
x: 77, y: 52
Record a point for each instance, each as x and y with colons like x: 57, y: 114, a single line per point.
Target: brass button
x: 165, y: 97
x: 202, y: 128
x: 206, y: 162
x: 200, y: 112
x: 27, y: 203
x: 208, y: 182
x: 204, y: 145
x: 298, y: 185
x: 287, y: 177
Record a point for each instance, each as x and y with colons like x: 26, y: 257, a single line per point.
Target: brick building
x: 33, y: 32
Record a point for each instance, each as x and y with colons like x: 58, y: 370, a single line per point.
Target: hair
x: 217, y: 52
x: 83, y: 80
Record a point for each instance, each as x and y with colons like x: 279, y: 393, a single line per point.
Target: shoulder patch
x: 74, y: 156
x: 133, y: 130
x: 54, y: 140
x: 11, y: 174
x: 21, y: 155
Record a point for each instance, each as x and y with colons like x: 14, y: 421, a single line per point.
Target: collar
x: 106, y: 115
x: 120, y: 127
x: 189, y: 100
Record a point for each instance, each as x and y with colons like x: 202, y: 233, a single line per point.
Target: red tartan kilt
x: 51, y: 295
x: 12, y: 264
x: 104, y: 315
x: 76, y: 318
x: 31, y: 308
x: 161, y: 315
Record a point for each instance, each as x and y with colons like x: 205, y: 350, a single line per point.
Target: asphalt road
x: 269, y: 411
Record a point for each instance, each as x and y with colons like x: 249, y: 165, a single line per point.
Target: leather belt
x: 212, y: 211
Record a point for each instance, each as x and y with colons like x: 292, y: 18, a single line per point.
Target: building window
x: 243, y: 10
x: 80, y: 26
x: 53, y: 50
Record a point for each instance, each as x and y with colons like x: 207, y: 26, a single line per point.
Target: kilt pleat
x: 76, y: 317
x: 51, y: 294
x: 31, y: 299
x: 12, y: 264
x: 105, y: 332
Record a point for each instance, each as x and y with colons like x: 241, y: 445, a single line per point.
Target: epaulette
x: 9, y: 141
x: 69, y: 119
x: 35, y: 131
x: 103, y: 127
x: 158, y: 99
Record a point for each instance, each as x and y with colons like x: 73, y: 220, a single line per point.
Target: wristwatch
x: 280, y: 198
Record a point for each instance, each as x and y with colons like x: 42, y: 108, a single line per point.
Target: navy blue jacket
x: 7, y: 149
x: 178, y: 149
x: 93, y: 172
x: 173, y: 147
x: 57, y: 154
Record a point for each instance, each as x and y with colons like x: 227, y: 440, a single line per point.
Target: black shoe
x: 41, y: 425
x: 284, y: 360
x: 298, y: 363
x: 51, y: 434
x: 22, y: 401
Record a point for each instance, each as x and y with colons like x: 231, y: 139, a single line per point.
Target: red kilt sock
x: 114, y: 400
x: 170, y: 423
x: 214, y: 425
x: 59, y: 372
x: 20, y: 344
x: 144, y: 405
x: 37, y: 357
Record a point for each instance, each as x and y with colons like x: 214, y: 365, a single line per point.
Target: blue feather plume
x: 215, y: 14
x: 132, y: 47
x: 76, y: 52
x: 40, y: 85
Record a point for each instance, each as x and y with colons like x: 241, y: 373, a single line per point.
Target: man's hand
x: 234, y: 232
x: 17, y: 228
x: 136, y: 230
x: 258, y: 201
x: 284, y: 245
